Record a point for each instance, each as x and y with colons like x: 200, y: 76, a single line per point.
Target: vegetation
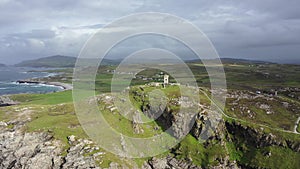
x: 59, y: 120
x: 54, y: 112
x: 44, y: 99
x: 271, y: 157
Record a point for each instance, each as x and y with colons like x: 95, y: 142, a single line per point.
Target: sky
x: 250, y: 29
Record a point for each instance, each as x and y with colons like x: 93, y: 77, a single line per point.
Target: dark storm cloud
x: 254, y: 29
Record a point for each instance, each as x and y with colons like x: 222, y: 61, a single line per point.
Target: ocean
x: 9, y: 76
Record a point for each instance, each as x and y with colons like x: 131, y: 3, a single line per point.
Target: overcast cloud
x: 253, y: 29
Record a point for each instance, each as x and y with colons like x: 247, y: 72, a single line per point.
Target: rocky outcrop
x: 258, y: 138
x: 19, y: 149
x: 28, y: 150
x: 75, y: 154
x: 173, y: 163
x: 168, y: 162
x: 5, y: 101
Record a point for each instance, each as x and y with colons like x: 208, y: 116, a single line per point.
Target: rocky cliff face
x: 258, y: 138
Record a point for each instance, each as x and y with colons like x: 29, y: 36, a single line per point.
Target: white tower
x: 166, y: 80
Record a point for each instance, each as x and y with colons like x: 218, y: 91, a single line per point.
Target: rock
x: 71, y: 139
x: 39, y: 150
x: 146, y: 165
x: 135, y: 123
x: 27, y: 150
x: 40, y: 161
x: 158, y: 163
x: 5, y: 101
x: 168, y: 163
x: 2, y: 123
x: 268, y: 112
x: 113, y: 165
x: 98, y: 154
x: 285, y: 104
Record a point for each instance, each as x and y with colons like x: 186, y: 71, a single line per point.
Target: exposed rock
x: 38, y: 150
x: 28, y: 150
x: 168, y: 163
x: 136, y: 120
x: 158, y: 163
x: 258, y: 138
x: 2, y: 123
x: 5, y: 101
x: 71, y: 139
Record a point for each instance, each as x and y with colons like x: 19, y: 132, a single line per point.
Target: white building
x: 166, y: 79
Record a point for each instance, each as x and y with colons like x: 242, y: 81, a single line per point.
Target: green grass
x: 192, y: 150
x: 103, y: 83
x: 234, y: 154
x: 189, y: 148
x: 59, y: 119
x: 279, y: 158
x: 124, y: 126
x: 44, y: 99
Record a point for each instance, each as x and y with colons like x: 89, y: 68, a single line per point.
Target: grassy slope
x: 44, y: 99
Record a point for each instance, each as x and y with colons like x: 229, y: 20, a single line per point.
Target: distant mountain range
x: 2, y: 65
x: 58, y: 61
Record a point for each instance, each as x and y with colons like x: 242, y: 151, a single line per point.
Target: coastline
x: 64, y: 86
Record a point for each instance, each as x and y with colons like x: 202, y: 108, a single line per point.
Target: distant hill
x: 68, y: 61
x: 51, y: 61
x: 58, y: 61
x: 2, y: 65
x: 233, y: 61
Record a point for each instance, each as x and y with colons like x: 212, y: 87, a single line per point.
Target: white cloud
x: 62, y: 26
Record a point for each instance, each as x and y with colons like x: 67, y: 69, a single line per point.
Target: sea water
x: 9, y: 76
